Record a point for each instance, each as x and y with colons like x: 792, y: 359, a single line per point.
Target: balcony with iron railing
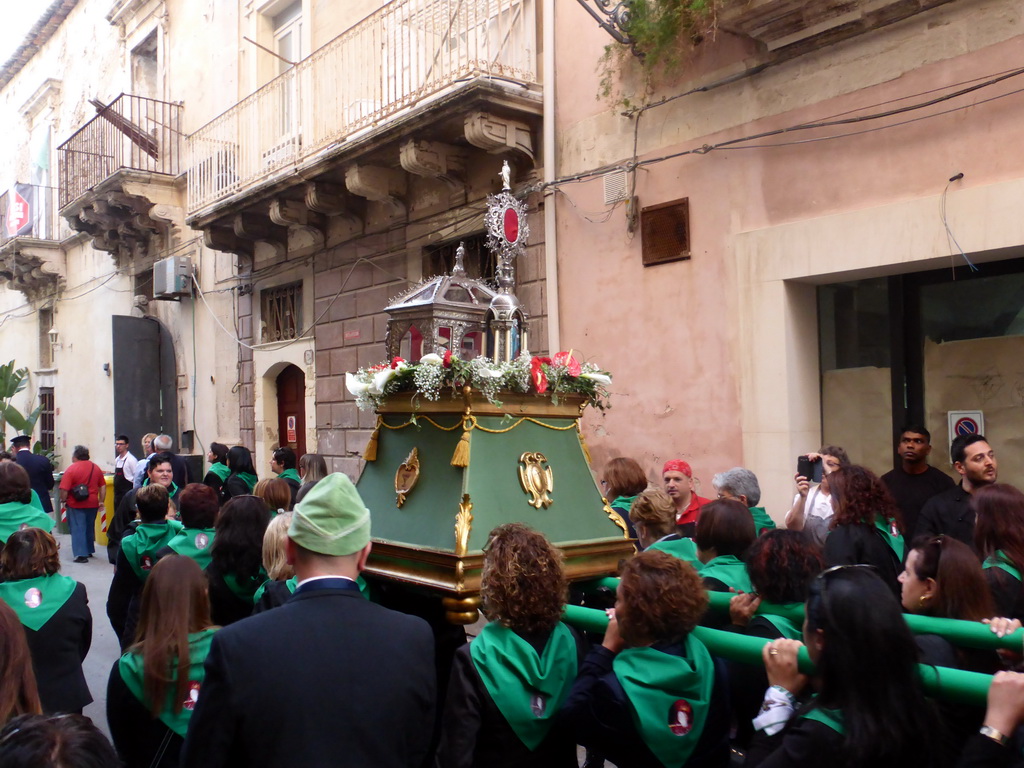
x: 402, y: 58
x: 117, y: 168
x: 31, y: 258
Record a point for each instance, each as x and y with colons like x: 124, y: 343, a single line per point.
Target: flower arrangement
x: 435, y: 375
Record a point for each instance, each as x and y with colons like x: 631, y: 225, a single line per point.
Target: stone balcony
x: 31, y: 256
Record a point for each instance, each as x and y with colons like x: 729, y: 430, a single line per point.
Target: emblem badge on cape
x: 33, y: 598
x: 680, y: 717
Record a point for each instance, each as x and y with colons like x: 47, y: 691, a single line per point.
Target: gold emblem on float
x: 536, y: 479
x: 406, y: 476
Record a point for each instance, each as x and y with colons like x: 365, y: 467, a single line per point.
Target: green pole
x: 968, y: 634
x: 953, y: 685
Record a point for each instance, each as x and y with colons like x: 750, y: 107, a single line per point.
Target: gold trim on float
x: 463, y: 526
x: 616, y: 518
x: 406, y: 476
x: 536, y: 479
x: 449, y: 573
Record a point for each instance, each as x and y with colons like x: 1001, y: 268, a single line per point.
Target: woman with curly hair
x: 54, y: 610
x: 651, y: 696
x: 999, y: 538
x: 867, y: 528
x: 236, y: 570
x: 153, y: 688
x: 781, y: 565
x: 508, y: 684
x: 623, y: 481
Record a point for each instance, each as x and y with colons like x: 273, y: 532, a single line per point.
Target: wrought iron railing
x: 132, y: 132
x: 406, y: 52
x: 30, y: 210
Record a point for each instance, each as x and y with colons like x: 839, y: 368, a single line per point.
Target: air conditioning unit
x: 172, y: 278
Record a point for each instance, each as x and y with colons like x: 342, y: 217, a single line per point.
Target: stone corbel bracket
x: 332, y: 201
x: 250, y: 226
x: 499, y: 135
x: 382, y: 185
x: 435, y: 160
x: 294, y: 215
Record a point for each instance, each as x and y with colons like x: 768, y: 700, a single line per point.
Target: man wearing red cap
x: 677, y: 477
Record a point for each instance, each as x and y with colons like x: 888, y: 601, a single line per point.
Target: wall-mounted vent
x: 665, y: 232
x: 615, y: 187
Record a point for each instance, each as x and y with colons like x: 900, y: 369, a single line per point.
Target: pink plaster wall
x: 668, y: 333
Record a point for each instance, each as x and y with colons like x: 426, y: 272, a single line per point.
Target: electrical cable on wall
x: 950, y: 237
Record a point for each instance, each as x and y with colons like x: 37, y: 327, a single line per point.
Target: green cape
x: 684, y: 549
x: 730, y: 570
x: 293, y: 582
x: 623, y: 504
x: 833, y: 718
x: 36, y: 501
x: 291, y: 474
x: 787, y: 627
x: 245, y: 589
x: 187, y: 542
x: 35, y: 600
x: 130, y: 668
x: 762, y: 520
x: 14, y: 516
x: 527, y: 688
x: 1001, y: 561
x: 140, y: 546
x: 669, y: 697
x: 891, y: 536
x: 220, y: 470
x: 248, y: 478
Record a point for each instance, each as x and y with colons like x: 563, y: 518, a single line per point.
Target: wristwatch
x: 991, y: 733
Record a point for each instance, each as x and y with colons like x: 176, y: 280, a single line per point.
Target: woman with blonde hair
x: 508, y: 684
x: 654, y: 515
x: 153, y: 687
x: 281, y: 580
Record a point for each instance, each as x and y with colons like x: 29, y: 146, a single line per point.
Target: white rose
x: 432, y: 358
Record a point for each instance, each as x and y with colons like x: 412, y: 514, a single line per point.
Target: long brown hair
x: 18, y: 692
x: 961, y: 589
x: 174, y: 603
x: 999, y: 526
x: 858, y: 496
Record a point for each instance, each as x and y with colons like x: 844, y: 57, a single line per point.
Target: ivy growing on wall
x: 663, y: 35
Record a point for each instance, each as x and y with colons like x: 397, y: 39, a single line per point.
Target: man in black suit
x: 326, y: 679
x: 40, y: 471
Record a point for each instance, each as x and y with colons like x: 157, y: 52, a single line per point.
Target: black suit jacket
x: 326, y: 679
x: 950, y: 513
x: 179, y: 467
x: 40, y: 475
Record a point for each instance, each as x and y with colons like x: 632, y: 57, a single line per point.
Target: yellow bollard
x: 106, y: 513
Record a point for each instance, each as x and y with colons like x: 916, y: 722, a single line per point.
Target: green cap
x: 331, y: 519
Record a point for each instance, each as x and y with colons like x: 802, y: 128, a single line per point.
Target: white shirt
x: 818, y: 504
x: 128, y: 462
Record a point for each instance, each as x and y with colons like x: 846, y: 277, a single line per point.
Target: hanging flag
x: 20, y: 203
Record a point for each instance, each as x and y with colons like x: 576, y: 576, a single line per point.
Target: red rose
x: 447, y: 359
x: 395, y: 361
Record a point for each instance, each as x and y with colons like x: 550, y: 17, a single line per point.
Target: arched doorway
x: 291, y: 409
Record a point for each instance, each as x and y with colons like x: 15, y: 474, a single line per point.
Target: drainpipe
x: 550, y: 231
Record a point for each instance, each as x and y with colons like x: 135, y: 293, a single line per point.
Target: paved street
x: 96, y: 575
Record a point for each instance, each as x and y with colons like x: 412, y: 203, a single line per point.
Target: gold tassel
x: 461, y: 456
x: 370, y: 454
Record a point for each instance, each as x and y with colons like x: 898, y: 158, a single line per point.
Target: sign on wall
x: 965, y: 423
